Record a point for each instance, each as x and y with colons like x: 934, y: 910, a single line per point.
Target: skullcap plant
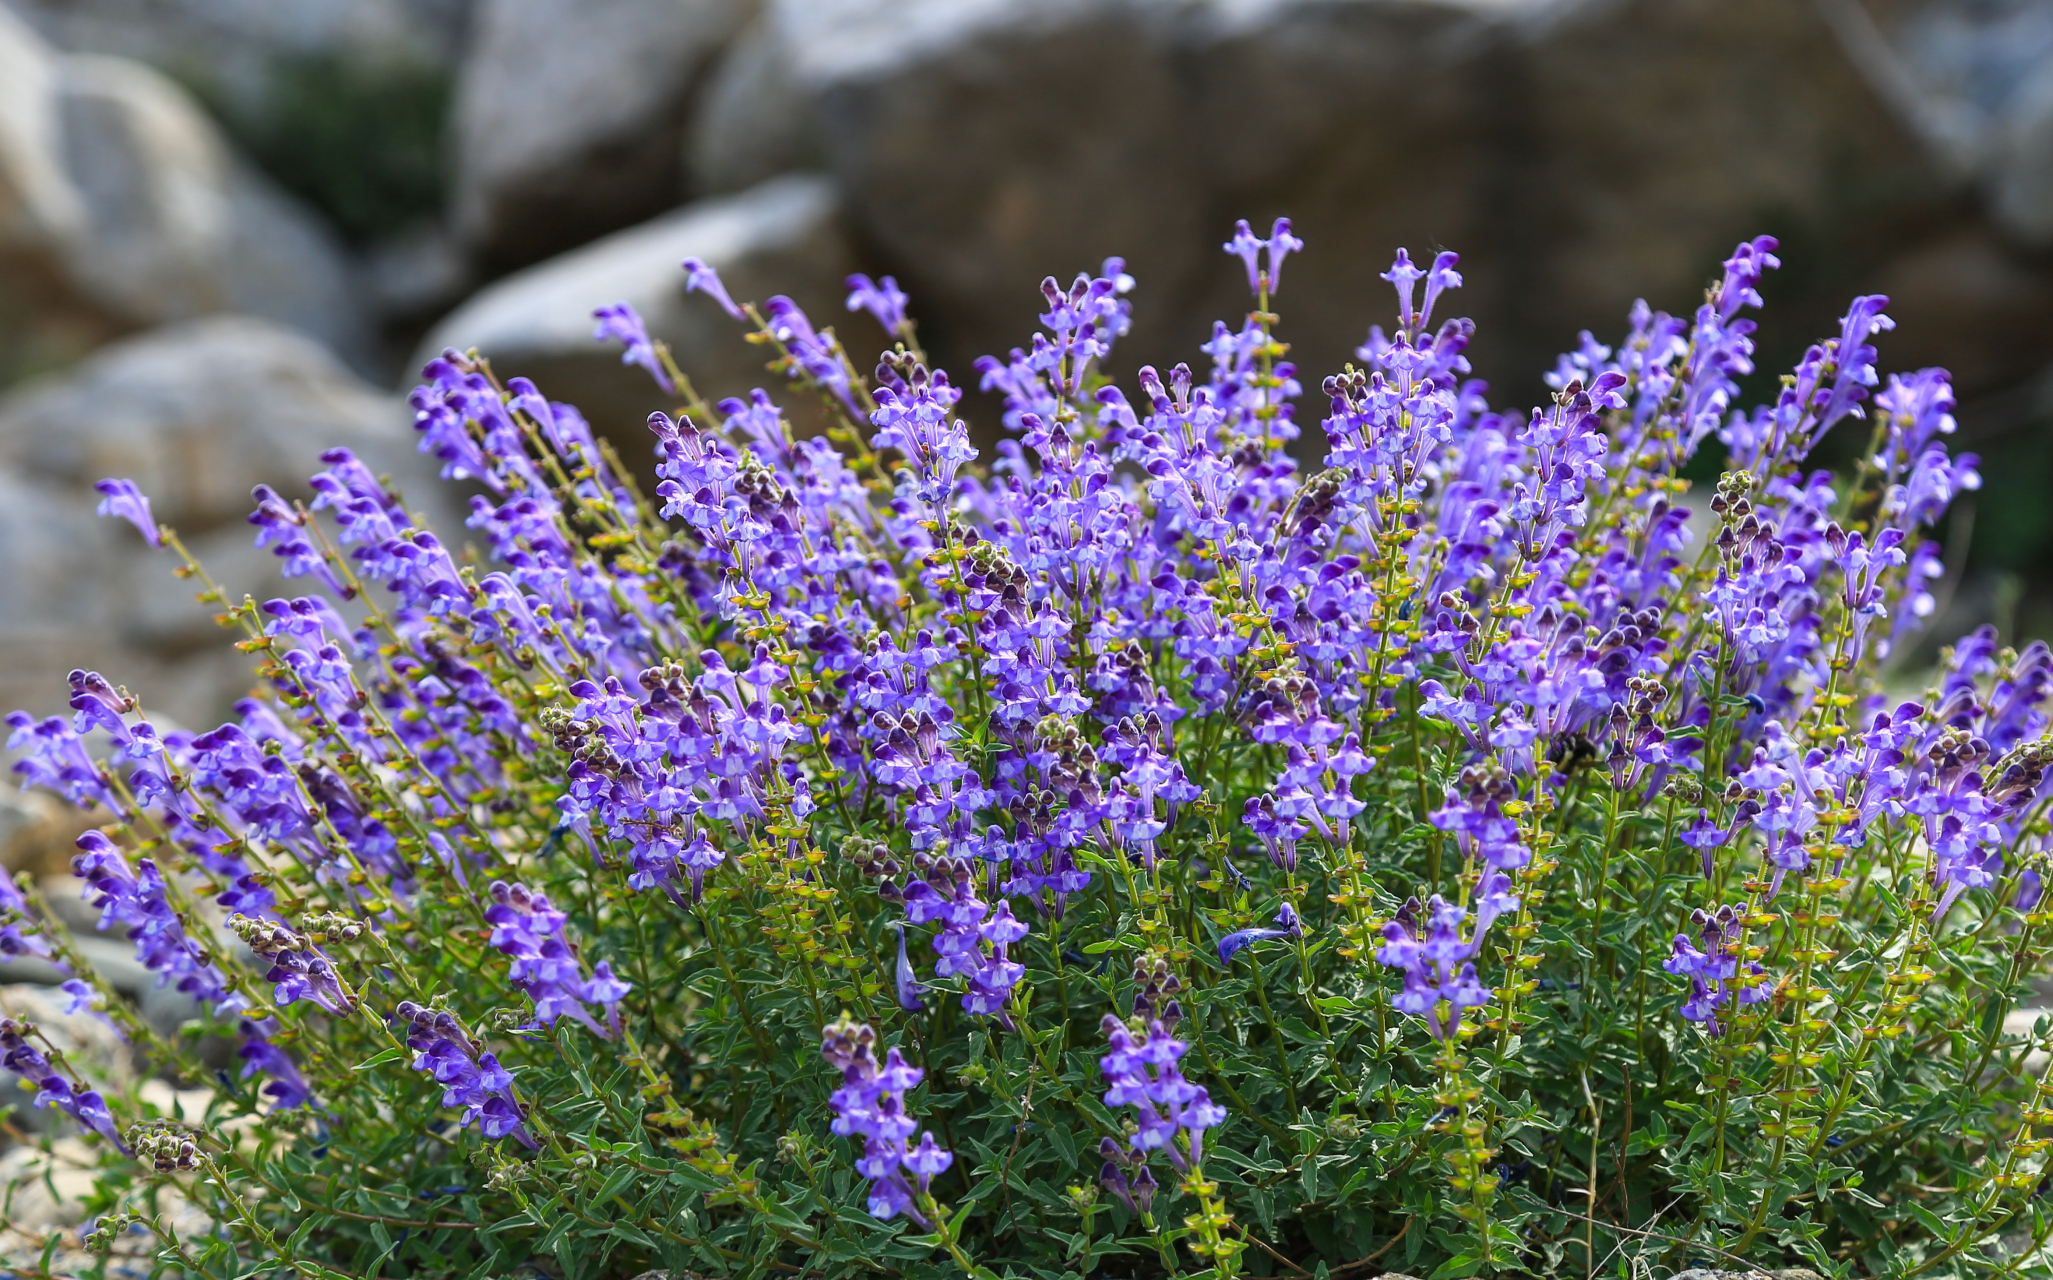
x: 1154, y: 844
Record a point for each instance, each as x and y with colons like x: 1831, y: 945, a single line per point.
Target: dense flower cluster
x: 1141, y: 1072
x: 1714, y: 972
x: 870, y: 1105
x: 1345, y: 793
x: 1425, y: 944
x: 526, y: 927
x: 470, y: 1075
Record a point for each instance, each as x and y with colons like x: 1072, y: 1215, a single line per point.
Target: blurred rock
x: 982, y: 145
x: 416, y: 276
x: 121, y: 207
x: 196, y: 414
x: 236, y: 49
x: 64, y: 897
x: 2021, y: 183
x: 1980, y: 76
x: 64, y: 577
x: 109, y: 953
x: 781, y: 237
x: 35, y: 827
x: 46, y: 1191
x: 749, y: 125
x: 569, y: 117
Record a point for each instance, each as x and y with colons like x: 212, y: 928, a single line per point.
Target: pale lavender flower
x: 698, y: 277
x: 122, y: 498
x: 870, y: 1105
x: 620, y: 321
x: 881, y: 298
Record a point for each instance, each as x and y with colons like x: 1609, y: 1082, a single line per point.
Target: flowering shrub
x: 1120, y: 851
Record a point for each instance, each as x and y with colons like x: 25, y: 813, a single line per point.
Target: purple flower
x: 285, y: 1086
x: 1142, y: 1073
x: 1403, y: 274
x: 1135, y: 1189
x: 1289, y: 926
x: 620, y: 321
x: 1714, y: 973
x: 55, y: 758
x: 698, y: 277
x: 905, y: 983
x: 20, y: 934
x: 974, y: 937
x: 814, y: 355
x: 136, y: 898
x: 84, y: 1105
x: 528, y: 928
x: 283, y: 529
x: 881, y: 298
x: 471, y: 1077
x: 1250, y: 249
x: 300, y: 970
x: 122, y: 498
x: 870, y: 1105
x: 1475, y: 816
x: 1439, y: 974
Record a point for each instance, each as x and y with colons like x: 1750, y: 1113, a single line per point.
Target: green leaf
x: 379, y: 1059
x: 616, y: 1184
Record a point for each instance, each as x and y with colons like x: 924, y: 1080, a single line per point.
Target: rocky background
x: 231, y: 229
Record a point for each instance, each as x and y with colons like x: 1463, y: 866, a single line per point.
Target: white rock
x: 121, y: 206
x: 196, y: 414
x: 30, y: 1212
x: 569, y: 116
x: 27, y: 1178
x: 781, y: 237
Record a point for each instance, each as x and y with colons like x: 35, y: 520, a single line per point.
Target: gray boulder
x: 64, y: 576
x: 569, y: 117
x: 37, y: 828
x: 1578, y: 153
x: 121, y: 207
x: 749, y: 124
x: 196, y: 414
x: 237, y: 50
x: 781, y: 237
x: 2021, y: 177
x: 1977, y: 81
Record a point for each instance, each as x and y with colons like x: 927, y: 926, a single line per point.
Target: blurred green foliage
x: 361, y: 141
